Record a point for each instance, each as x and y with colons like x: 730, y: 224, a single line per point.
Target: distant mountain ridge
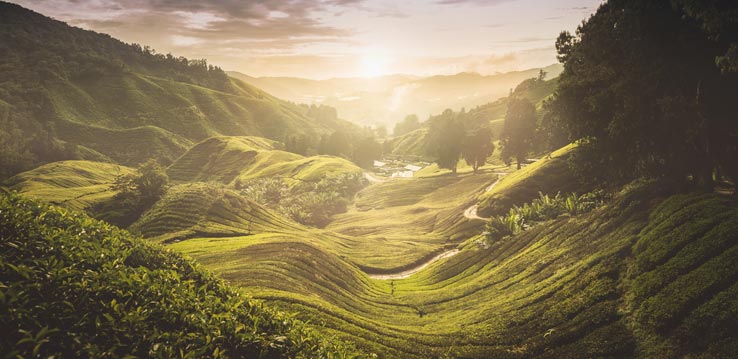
x: 386, y: 100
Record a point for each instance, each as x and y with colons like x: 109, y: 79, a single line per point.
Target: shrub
x: 541, y: 209
x: 71, y: 286
x: 309, y: 203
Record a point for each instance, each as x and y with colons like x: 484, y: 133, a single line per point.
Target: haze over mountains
x: 386, y: 100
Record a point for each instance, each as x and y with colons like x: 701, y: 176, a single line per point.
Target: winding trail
x: 406, y: 273
x: 374, y: 179
x: 471, y: 212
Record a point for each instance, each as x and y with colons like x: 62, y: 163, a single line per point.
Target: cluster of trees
x: 648, y: 89
x: 450, y: 141
x: 519, y: 134
x: 469, y: 135
x: 136, y: 193
x: 309, y: 203
x: 354, y: 144
x: 409, y: 124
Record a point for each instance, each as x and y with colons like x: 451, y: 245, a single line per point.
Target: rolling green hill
x: 207, y: 210
x: 240, y: 159
x: 549, y: 175
x: 598, y: 285
x: 73, y: 184
x: 72, y: 286
x: 69, y: 93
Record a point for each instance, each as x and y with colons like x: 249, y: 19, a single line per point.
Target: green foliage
x: 541, y: 209
x: 477, y: 147
x: 136, y: 192
x: 672, y: 121
x: 311, y: 203
x: 409, y: 124
x: 447, y: 139
x: 366, y: 151
x: 519, y: 131
x: 72, y: 286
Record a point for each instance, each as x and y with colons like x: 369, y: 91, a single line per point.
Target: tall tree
x: 642, y: 92
x: 446, y: 139
x: 477, y: 147
x: 519, y: 130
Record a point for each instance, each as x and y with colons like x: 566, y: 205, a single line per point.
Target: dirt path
x: 406, y: 273
x: 471, y: 212
x: 373, y: 179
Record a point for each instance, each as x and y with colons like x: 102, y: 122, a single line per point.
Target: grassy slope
x: 602, y: 285
x: 645, y: 276
x: 207, y: 210
x: 229, y: 159
x: 217, y: 159
x: 74, y: 184
x: 548, y: 175
x: 398, y: 223
x: 72, y: 286
x: 166, y: 115
x: 118, y: 103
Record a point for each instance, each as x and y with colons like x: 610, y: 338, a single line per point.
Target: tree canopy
x: 519, y: 131
x: 477, y: 147
x: 447, y: 139
x: 648, y: 89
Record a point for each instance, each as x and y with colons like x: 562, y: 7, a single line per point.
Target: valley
x: 157, y: 206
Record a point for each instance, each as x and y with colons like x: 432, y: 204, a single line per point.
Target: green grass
x: 550, y: 174
x: 232, y: 160
x: 74, y: 184
x: 201, y: 209
x: 217, y: 159
x: 648, y: 274
x: 172, y: 115
x: 603, y: 284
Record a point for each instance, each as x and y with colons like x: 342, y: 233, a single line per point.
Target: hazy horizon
x: 318, y: 40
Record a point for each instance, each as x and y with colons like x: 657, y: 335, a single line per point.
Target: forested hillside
x: 68, y: 93
x: 417, y: 139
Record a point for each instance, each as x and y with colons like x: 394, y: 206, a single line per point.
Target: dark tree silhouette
x: 447, y: 139
x: 519, y: 130
x: 477, y: 147
x: 648, y: 90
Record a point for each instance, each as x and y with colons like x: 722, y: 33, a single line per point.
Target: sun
x: 373, y: 64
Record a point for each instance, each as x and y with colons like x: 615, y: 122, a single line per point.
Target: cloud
x: 472, y: 2
x: 216, y: 20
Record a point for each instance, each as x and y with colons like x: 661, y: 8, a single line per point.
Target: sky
x: 321, y: 39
